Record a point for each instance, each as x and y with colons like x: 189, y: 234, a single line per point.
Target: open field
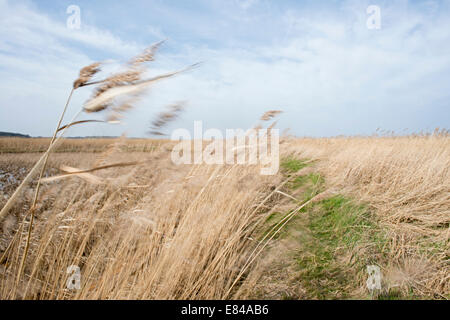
x: 161, y: 231
x: 96, y: 145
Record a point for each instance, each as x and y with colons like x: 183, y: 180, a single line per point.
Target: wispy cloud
x: 39, y: 59
x: 319, y: 63
x: 245, y: 4
x: 21, y: 26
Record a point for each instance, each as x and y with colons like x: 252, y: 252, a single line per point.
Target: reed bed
x: 74, y: 145
x: 161, y: 231
x: 157, y: 232
x: 406, y: 182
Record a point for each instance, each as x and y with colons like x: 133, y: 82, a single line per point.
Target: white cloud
x: 39, y: 60
x: 327, y: 71
x: 246, y: 4
x: 333, y: 76
x: 157, y: 32
x: 28, y: 28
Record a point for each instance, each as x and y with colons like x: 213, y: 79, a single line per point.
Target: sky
x: 318, y: 61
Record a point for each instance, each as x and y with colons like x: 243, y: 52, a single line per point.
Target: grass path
x: 323, y: 252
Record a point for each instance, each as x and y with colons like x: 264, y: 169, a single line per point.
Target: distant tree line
x: 11, y: 134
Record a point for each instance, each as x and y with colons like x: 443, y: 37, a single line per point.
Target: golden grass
x: 160, y: 231
x: 406, y: 179
x: 406, y: 182
x: 96, y: 145
x: 182, y: 231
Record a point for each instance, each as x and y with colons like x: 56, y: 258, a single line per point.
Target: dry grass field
x: 118, y: 219
x: 94, y: 145
x: 160, y: 231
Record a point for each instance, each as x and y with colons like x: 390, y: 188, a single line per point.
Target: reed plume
x: 270, y: 115
x: 172, y: 112
x: 86, y: 74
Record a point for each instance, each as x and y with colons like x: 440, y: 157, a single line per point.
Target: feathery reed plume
x: 116, y: 113
x: 272, y: 125
x: 126, y: 78
x: 270, y: 115
x: 147, y: 55
x: 120, y: 91
x: 107, y: 98
x: 173, y: 111
x: 266, y: 117
x: 86, y: 74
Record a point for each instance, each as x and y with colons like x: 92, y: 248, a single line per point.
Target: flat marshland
x: 156, y: 230
x: 94, y: 145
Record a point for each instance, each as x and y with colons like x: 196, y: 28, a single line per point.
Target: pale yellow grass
x: 156, y: 231
x: 406, y: 180
x: 26, y: 145
x: 160, y: 231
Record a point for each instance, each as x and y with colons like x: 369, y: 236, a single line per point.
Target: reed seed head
x: 86, y: 74
x: 146, y: 56
x: 123, y: 83
x: 163, y: 118
x: 270, y: 114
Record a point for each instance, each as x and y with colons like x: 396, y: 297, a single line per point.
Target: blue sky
x: 315, y: 60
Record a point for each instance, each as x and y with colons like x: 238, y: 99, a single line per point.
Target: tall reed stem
x: 36, y: 194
